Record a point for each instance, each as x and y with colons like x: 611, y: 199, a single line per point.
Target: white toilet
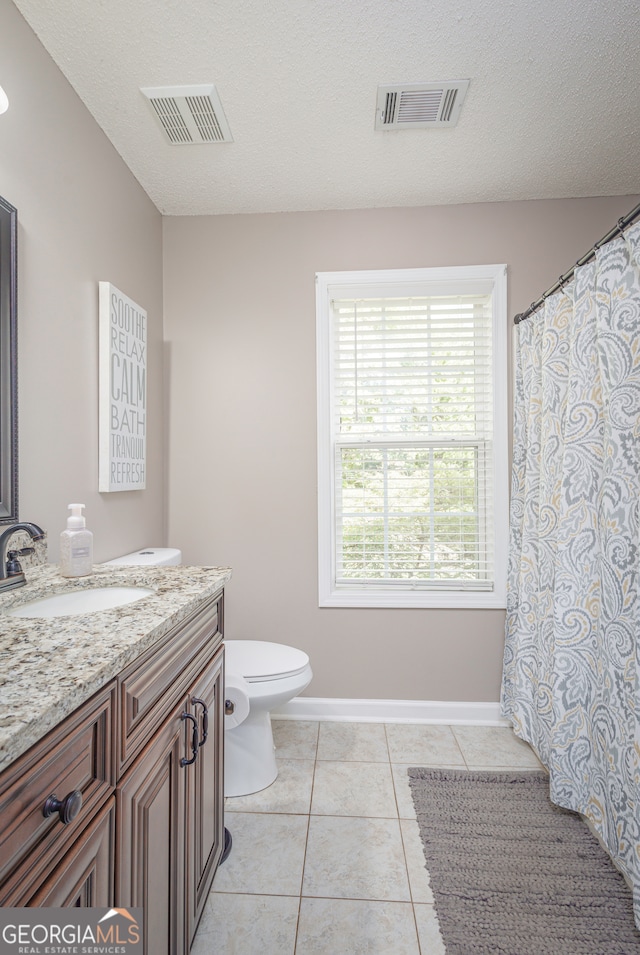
x: 259, y: 677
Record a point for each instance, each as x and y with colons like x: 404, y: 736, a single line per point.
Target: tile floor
x: 328, y: 860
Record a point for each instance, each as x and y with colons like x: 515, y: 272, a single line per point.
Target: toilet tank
x: 149, y: 557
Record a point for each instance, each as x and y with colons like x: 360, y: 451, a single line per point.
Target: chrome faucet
x: 11, y: 574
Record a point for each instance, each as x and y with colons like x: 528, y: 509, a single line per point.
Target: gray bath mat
x: 512, y: 874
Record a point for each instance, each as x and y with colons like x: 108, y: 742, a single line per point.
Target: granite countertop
x: 49, y: 666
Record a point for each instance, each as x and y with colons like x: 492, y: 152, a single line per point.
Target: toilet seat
x: 258, y: 661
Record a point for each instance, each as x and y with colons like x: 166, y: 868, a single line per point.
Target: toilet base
x: 249, y: 756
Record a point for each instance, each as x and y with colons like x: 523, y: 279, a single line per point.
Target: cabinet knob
x: 229, y: 707
x: 69, y: 807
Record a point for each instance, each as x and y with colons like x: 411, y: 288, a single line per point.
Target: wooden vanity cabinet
x: 147, y: 754
x: 170, y: 810
x: 169, y: 794
x: 151, y: 837
x: 76, y: 756
x: 205, y: 794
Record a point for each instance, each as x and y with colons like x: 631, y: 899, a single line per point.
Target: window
x: 412, y: 452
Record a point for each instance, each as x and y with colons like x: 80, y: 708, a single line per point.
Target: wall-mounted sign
x: 123, y: 391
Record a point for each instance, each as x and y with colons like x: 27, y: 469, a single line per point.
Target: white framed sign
x: 123, y: 391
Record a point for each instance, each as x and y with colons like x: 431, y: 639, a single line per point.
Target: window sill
x: 470, y: 600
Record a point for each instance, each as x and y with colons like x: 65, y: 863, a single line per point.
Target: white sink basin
x: 73, y: 602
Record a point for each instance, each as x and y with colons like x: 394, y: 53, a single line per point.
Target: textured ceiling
x: 552, y: 110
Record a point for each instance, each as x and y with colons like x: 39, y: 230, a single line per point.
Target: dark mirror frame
x: 8, y: 362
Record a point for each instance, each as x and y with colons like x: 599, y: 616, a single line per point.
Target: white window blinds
x: 413, y: 430
x: 412, y: 437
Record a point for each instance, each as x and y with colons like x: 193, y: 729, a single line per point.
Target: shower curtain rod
x: 618, y: 227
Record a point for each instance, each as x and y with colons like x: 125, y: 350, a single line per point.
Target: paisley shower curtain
x: 571, y: 681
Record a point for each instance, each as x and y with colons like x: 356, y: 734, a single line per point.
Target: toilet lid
x: 257, y: 660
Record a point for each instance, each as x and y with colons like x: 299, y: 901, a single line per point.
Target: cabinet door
x: 205, y: 791
x: 85, y: 876
x: 154, y: 683
x: 151, y: 836
x: 82, y: 877
x: 76, y: 755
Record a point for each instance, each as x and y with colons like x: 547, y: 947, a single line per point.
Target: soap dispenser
x: 76, y: 545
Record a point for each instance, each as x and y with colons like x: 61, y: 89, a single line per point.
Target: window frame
x: 452, y: 280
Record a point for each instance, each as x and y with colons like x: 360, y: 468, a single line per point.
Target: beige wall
x: 82, y: 218
x: 240, y: 363
x: 240, y: 329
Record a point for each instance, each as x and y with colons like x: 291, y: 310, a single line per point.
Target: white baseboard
x: 391, y: 711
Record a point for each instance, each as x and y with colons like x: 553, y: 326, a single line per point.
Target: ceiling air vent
x: 189, y: 114
x: 420, y: 105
